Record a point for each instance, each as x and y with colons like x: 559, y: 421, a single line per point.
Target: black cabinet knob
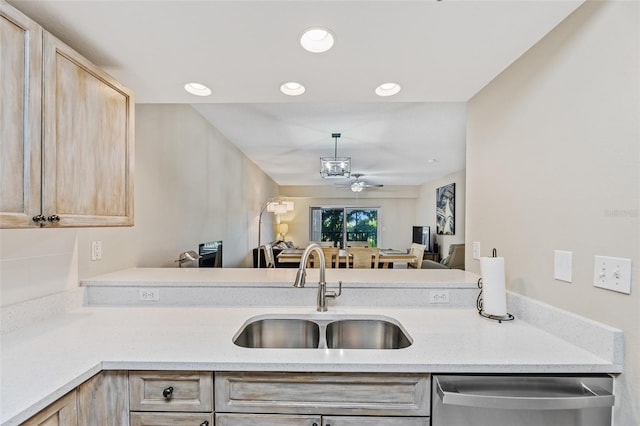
x: 205, y: 423
x: 53, y: 218
x: 39, y: 219
x: 168, y: 392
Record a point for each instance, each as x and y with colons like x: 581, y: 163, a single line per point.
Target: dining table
x: 386, y: 259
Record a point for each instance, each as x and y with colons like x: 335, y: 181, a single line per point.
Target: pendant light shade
x: 335, y: 167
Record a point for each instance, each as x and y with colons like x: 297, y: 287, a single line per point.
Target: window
x: 342, y: 225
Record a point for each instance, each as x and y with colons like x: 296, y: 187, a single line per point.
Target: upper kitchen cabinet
x: 20, y: 118
x: 87, y: 147
x: 71, y: 163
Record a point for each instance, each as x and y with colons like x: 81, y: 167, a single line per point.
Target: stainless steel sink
x: 331, y: 332
x: 279, y: 333
x: 365, y: 334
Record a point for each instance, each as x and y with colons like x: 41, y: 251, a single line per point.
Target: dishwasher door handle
x: 591, y: 397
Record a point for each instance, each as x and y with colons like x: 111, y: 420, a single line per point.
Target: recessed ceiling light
x: 432, y: 160
x: 317, y: 40
x: 388, y: 89
x: 197, y: 89
x: 291, y: 88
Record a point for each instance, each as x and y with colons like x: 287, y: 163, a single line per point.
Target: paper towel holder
x: 479, y: 303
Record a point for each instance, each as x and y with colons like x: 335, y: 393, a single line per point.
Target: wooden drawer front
x: 323, y: 393
x: 374, y: 421
x: 266, y: 420
x: 171, y: 419
x: 192, y: 391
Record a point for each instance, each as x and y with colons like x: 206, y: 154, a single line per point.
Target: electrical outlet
x: 438, y: 296
x: 149, y: 294
x: 612, y: 273
x: 476, y: 250
x: 96, y: 250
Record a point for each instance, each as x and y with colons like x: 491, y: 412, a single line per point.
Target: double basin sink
x: 322, y: 332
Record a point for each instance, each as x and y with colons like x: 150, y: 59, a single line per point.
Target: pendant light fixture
x: 335, y: 167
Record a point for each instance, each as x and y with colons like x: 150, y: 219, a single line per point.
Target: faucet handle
x: 333, y: 294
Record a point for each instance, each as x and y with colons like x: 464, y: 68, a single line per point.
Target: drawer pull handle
x: 168, y: 392
x: 39, y: 219
x: 314, y: 424
x: 205, y: 423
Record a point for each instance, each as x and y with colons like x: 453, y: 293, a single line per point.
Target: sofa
x: 454, y: 260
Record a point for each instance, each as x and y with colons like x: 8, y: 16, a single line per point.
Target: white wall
x: 398, y: 206
x: 426, y: 209
x: 553, y: 163
x: 191, y: 186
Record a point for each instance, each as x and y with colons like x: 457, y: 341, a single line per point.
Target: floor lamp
x: 275, y: 206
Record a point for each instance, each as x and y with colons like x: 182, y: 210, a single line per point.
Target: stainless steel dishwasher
x: 521, y: 400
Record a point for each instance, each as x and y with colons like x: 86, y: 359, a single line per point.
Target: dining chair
x: 416, y: 250
x: 357, y: 244
x: 269, y: 258
x: 362, y: 257
x: 331, y: 258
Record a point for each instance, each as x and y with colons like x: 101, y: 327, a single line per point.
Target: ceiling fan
x: 358, y: 185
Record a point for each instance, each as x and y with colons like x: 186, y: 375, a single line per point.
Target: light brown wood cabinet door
x: 63, y: 412
x: 87, y: 141
x: 20, y: 118
x: 104, y: 399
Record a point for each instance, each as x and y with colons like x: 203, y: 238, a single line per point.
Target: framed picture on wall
x: 446, y: 210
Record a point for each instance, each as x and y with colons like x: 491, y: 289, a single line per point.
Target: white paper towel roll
x: 494, y: 297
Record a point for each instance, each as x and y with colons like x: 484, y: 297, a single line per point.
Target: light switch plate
x: 563, y: 265
x: 612, y: 273
x: 476, y: 250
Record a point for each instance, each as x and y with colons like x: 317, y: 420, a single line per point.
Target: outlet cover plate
x: 438, y: 296
x: 612, y: 273
x: 96, y: 250
x: 149, y: 294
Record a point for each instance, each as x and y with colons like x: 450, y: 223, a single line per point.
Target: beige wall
x: 426, y: 209
x: 553, y: 162
x: 191, y: 186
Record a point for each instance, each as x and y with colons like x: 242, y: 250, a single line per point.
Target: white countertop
x: 43, y: 361
x: 209, y: 277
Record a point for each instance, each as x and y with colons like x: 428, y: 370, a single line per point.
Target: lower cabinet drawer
x: 171, y: 419
x: 374, y: 421
x: 391, y: 394
x: 266, y: 420
x: 171, y: 391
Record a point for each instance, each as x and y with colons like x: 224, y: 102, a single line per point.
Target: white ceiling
x: 441, y: 52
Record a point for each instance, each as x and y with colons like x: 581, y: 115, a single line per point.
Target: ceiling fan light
x: 388, y: 89
x: 292, y: 88
x: 357, y: 186
x: 317, y: 40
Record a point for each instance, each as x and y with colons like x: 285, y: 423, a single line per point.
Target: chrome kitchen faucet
x: 301, y: 276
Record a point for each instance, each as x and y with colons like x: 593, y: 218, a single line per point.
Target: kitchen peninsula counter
x: 43, y: 361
